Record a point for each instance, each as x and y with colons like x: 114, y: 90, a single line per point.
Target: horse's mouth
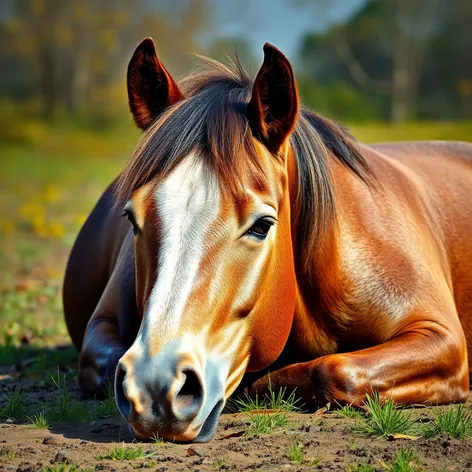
x: 200, y: 433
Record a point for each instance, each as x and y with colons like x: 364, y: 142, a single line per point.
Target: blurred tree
x: 76, y: 52
x: 392, y: 49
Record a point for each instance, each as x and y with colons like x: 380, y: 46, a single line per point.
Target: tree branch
x: 354, y: 66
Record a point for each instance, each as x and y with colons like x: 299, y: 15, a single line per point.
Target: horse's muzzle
x: 168, y: 396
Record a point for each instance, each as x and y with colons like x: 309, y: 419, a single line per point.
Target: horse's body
x: 383, y: 302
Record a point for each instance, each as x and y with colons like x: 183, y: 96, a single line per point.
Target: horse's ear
x: 151, y: 89
x: 273, y: 108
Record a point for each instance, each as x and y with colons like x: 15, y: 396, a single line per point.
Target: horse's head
x: 208, y: 195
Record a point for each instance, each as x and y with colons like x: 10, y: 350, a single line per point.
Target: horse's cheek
x: 273, y: 321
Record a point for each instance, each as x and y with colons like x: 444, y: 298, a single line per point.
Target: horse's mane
x: 212, y: 120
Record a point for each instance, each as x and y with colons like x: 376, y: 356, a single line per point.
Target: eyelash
x: 266, y: 223
x: 128, y: 214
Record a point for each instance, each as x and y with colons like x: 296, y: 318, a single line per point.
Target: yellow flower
x: 31, y: 210
x: 56, y: 229
x: 37, y: 220
x: 41, y: 231
x: 51, y: 194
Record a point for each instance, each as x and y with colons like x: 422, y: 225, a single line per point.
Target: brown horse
x: 263, y: 236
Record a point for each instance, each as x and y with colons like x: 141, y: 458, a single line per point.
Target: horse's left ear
x: 151, y: 89
x: 273, y: 108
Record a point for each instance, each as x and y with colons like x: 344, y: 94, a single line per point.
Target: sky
x: 280, y: 22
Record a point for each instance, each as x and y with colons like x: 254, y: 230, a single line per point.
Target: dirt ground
x: 326, y: 439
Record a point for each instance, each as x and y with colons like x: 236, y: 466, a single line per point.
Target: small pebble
x: 196, y: 451
x: 61, y: 456
x: 49, y: 440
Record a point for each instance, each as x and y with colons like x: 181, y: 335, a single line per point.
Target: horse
x: 250, y: 243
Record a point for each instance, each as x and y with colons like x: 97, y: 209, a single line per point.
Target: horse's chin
x: 200, y: 434
x: 208, y: 430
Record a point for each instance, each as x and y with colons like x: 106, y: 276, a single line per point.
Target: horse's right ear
x: 151, y: 89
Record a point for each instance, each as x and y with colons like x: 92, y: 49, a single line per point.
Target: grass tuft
x: 107, y: 407
x: 279, y: 400
x: 383, y: 418
x: 38, y: 421
x: 348, y: 411
x: 65, y: 408
x: 65, y: 468
x: 15, y: 407
x: 123, y: 453
x: 360, y: 468
x: 406, y: 460
x: 454, y: 421
x: 295, y: 453
x: 264, y: 423
x: 157, y: 440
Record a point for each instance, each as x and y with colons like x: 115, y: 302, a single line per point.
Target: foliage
x: 383, y: 418
x: 406, y: 460
x: 295, y: 453
x: 126, y: 453
x: 265, y: 422
x: 348, y: 411
x: 455, y: 422
x: 273, y: 400
x: 38, y: 421
x: 360, y: 468
x: 15, y: 407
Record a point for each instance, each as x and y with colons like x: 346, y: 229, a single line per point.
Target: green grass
x: 383, y: 418
x: 15, y: 407
x: 9, y: 453
x: 406, y: 460
x: 348, y: 411
x: 295, y: 453
x: 271, y: 401
x: 123, y: 453
x: 65, y: 468
x: 454, y: 422
x: 108, y: 406
x: 38, y: 421
x: 264, y: 423
x: 65, y: 408
x: 157, y: 440
x: 360, y: 468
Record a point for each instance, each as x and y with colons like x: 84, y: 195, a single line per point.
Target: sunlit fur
x: 363, y: 282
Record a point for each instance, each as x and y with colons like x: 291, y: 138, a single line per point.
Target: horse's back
x: 442, y: 171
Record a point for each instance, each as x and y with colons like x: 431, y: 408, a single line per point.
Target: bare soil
x: 327, y: 441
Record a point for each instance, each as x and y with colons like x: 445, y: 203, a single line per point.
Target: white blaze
x: 188, y: 203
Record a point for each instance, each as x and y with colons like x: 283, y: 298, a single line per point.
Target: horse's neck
x: 316, y: 327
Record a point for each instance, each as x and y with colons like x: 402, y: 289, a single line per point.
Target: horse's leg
x: 109, y: 333
x: 425, y: 364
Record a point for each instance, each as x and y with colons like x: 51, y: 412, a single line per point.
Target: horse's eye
x: 129, y: 214
x: 260, y: 228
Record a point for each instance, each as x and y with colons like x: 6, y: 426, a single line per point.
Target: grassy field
x: 50, y: 179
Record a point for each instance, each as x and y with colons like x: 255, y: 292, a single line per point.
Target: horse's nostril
x: 188, y: 401
x: 122, y: 401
